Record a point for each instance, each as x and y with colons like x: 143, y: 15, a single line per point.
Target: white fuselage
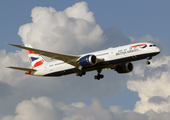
x: 112, y: 57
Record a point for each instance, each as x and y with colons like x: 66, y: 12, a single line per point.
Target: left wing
x: 72, y: 60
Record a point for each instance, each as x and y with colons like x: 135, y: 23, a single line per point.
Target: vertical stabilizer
x: 35, y: 59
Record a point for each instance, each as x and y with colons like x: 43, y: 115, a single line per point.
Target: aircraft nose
x: 158, y: 50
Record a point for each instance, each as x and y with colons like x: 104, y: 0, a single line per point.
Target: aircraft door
x: 111, y: 54
x: 45, y: 68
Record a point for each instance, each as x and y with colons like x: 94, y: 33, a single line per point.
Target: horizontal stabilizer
x: 23, y: 69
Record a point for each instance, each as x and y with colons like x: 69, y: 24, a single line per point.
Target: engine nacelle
x: 124, y: 68
x: 88, y: 60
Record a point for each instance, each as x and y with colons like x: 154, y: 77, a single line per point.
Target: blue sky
x: 134, y: 18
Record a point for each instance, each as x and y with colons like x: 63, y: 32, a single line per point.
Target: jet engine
x: 88, y: 60
x: 124, y: 68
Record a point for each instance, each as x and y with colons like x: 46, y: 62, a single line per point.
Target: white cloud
x: 80, y: 11
x: 91, y: 112
x: 79, y: 105
x: 7, y: 75
x: 146, y: 38
x: 164, y: 60
x: 139, y: 70
x: 44, y: 108
x: 35, y: 109
x: 72, y: 29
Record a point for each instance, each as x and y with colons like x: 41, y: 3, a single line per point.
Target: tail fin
x: 36, y: 59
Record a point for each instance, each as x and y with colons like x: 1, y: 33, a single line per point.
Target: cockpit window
x: 152, y: 45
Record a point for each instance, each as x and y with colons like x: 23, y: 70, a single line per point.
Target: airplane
x: 118, y: 59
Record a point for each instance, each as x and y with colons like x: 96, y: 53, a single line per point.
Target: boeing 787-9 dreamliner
x: 118, y: 58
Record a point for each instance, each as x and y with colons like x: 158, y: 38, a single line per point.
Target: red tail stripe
x: 139, y: 45
x: 38, y: 63
x: 31, y: 52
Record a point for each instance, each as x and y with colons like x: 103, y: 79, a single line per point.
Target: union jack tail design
x: 36, y: 59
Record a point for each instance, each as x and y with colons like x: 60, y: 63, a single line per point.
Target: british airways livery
x: 118, y: 58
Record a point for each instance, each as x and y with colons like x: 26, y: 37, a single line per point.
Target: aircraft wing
x: 66, y: 58
x: 23, y: 69
x: 69, y: 59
